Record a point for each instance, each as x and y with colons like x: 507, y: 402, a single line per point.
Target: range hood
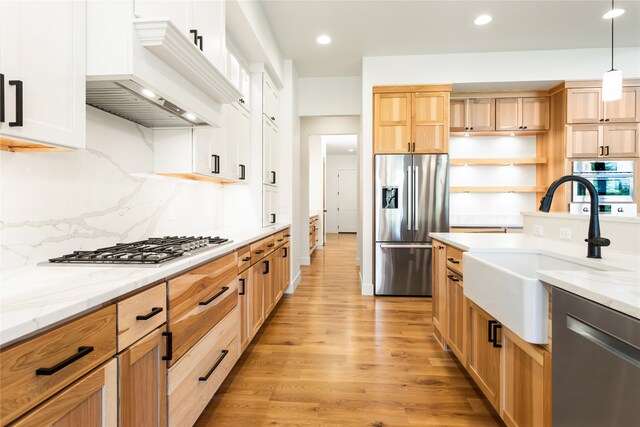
x: 149, y: 72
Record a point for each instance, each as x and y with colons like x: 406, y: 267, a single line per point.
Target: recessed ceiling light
x: 190, y: 116
x: 613, y: 13
x: 149, y: 94
x: 323, y: 39
x: 482, y: 20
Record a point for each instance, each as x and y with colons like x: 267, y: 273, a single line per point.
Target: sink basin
x: 507, y: 287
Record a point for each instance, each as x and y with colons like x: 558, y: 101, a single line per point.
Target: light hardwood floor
x: 329, y: 356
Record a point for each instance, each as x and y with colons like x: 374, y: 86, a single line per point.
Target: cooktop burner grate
x: 155, y: 250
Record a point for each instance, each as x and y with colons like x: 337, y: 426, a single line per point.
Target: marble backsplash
x: 54, y: 203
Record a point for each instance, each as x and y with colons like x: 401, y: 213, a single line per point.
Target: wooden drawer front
x: 269, y: 244
x: 189, y: 391
x: 454, y: 259
x: 286, y: 234
x: 21, y: 389
x: 258, y: 250
x: 199, y: 299
x: 278, y: 239
x: 244, y: 258
x: 141, y: 314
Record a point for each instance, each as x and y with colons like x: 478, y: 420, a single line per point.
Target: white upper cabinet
x: 201, y: 21
x: 270, y: 104
x: 270, y: 152
x: 43, y: 73
x: 239, y: 142
x: 270, y: 203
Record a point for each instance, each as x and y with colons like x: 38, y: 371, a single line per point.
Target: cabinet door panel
x: 431, y: 139
x: 244, y: 144
x: 584, y: 105
x: 90, y: 402
x: 207, y: 17
x: 484, y: 359
x: 456, y: 317
x: 621, y: 140
x: 535, y: 113
x: 392, y: 122
x: 508, y: 113
x: 430, y: 117
x: 256, y: 297
x: 482, y: 115
x: 625, y: 110
x: 584, y: 141
x: 439, y: 289
x: 269, y: 272
x: 458, y: 115
x: 143, y: 382
x: 243, y: 302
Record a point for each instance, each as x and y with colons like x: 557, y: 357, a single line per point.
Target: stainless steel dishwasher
x: 596, y: 364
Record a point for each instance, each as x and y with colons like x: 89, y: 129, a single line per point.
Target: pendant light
x: 612, y: 79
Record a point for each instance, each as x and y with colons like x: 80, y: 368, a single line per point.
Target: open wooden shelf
x: 478, y: 189
x: 499, y: 161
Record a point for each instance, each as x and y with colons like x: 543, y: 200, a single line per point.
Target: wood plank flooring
x: 329, y: 356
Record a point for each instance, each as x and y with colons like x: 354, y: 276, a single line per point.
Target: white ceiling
x: 339, y: 145
x: 382, y: 28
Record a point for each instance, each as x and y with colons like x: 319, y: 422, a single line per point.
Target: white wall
x: 334, y: 164
x: 330, y: 96
x: 570, y: 64
x: 317, y: 154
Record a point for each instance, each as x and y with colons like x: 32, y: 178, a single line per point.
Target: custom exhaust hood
x: 149, y: 72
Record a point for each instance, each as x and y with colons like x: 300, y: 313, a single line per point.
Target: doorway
x: 347, y: 201
x: 341, y: 183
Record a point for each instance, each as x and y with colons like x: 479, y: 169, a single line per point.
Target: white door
x: 347, y: 200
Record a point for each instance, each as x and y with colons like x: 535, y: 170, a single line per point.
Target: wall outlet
x: 565, y: 233
x: 538, y: 230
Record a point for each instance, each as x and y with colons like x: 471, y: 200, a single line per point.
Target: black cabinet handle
x: 408, y: 147
x: 243, y: 172
x: 606, y: 120
x: 223, y: 354
x: 1, y: 98
x: 220, y: 292
x: 414, y: 147
x: 169, y: 336
x: 495, y: 328
x: 259, y: 252
x: 471, y: 128
x: 245, y: 259
x: 280, y: 240
x: 273, y: 218
x: 82, y: 352
x: 273, y: 119
x: 271, y: 245
x: 606, y: 147
x: 153, y: 312
x: 452, y: 278
x: 243, y: 283
x: 273, y: 177
x: 490, y: 324
x: 602, y: 120
x: 241, y: 100
x: 525, y: 127
x: 286, y: 253
x: 216, y: 163
x: 519, y: 127
x: 197, y: 40
x: 466, y: 128
x: 601, y: 150
x: 287, y: 235
x: 453, y: 261
x: 266, y: 269
x: 18, y: 85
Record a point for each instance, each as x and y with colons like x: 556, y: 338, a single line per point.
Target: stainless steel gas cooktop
x: 153, y: 251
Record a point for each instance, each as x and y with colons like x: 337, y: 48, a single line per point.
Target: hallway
x: 329, y: 356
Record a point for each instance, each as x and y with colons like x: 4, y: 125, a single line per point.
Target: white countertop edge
x: 20, y: 319
x: 603, y: 218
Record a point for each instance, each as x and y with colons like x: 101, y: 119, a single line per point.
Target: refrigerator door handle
x: 416, y: 214
x: 409, y: 246
x: 409, y: 197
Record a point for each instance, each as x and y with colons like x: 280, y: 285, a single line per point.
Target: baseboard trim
x: 366, y: 288
x: 305, y: 260
x: 359, y: 265
x: 294, y: 283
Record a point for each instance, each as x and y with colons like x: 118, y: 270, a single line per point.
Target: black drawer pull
x: 259, y: 252
x: 273, y: 177
x: 606, y: 147
x: 286, y: 253
x: 266, y: 269
x: 153, y: 312
x: 280, y: 240
x: 18, y: 85
x: 490, y: 330
x: 273, y: 218
x: 287, y: 235
x: 452, y: 278
x: 243, y: 281
x: 82, y: 352
x: 271, y: 245
x: 223, y: 354
x: 245, y: 259
x: 495, y: 328
x: 220, y: 292
x: 453, y: 261
x: 169, y: 336
x: 243, y: 170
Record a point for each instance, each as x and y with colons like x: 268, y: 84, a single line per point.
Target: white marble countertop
x: 32, y: 298
x: 619, y: 290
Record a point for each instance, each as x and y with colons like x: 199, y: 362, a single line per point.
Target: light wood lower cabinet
x: 526, y: 383
x: 439, y: 290
x: 92, y: 401
x: 142, y: 384
x: 484, y: 356
x: 244, y: 333
x: 456, y: 316
x: 194, y: 378
x: 269, y: 283
x: 255, y: 297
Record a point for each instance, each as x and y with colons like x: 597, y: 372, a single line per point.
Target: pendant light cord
x: 612, y: 19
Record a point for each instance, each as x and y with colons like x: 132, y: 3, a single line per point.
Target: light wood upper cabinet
x: 458, y: 115
x: 601, y: 141
x: 416, y: 122
x: 483, y: 357
x: 518, y: 114
x: 482, y: 114
x: 584, y: 141
x: 92, y: 401
x: 621, y: 140
x: 143, y: 382
x: 526, y: 373
x: 392, y: 123
x: 585, y: 105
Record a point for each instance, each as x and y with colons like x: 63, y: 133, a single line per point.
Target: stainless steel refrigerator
x: 411, y: 200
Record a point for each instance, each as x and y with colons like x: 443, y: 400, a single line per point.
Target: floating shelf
x: 499, y: 133
x: 499, y: 161
x: 477, y: 189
